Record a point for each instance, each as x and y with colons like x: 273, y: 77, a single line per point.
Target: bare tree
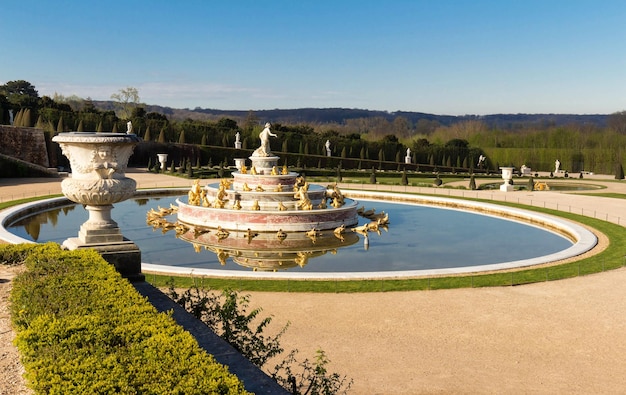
x: 126, y: 100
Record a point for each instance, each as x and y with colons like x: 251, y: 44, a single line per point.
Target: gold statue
x: 339, y: 231
x: 281, y: 206
x: 255, y: 206
x: 244, y: 169
x: 246, y: 187
x: 259, y: 188
x: 253, y: 171
x: 222, y: 233
x: 274, y: 171
x: 281, y: 235
x: 285, y: 170
x: 195, y: 193
x: 278, y: 188
x: 251, y: 235
x: 237, y: 204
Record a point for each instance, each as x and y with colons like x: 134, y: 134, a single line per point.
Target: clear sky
x: 435, y: 56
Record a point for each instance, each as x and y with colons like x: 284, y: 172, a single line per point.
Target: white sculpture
x: 328, y: 151
x: 557, y: 166
x: 481, y: 161
x: 129, y: 127
x: 264, y: 149
x: 98, y: 162
x: 407, y: 158
x: 237, y: 141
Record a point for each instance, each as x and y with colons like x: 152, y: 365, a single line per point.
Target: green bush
x: 81, y: 328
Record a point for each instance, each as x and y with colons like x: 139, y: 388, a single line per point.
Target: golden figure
x: 278, y: 188
x: 244, y: 169
x: 221, y: 233
x: 339, y: 231
x: 255, y: 206
x: 251, y: 235
x: 194, y: 194
x: 281, y: 235
x: 285, y: 170
x: 281, y: 206
x: 246, y: 187
x: 259, y: 188
x: 274, y: 171
x: 237, y: 204
x: 253, y: 171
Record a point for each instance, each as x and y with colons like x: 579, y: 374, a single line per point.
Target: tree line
x: 458, y: 145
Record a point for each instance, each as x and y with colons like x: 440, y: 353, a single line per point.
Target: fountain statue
x: 278, y: 206
x: 98, y: 162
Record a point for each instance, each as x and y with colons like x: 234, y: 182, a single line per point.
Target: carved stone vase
x: 98, y: 162
x: 507, y: 176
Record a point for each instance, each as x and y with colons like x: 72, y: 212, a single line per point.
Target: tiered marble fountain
x: 98, y: 162
x: 266, y: 217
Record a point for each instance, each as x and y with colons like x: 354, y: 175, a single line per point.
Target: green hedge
x: 81, y: 328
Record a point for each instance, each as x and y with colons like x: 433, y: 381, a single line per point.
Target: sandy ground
x: 547, y: 338
x: 11, y: 370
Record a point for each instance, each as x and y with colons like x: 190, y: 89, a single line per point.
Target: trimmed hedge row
x: 81, y: 328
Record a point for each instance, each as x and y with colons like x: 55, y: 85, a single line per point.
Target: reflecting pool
x: 418, y: 238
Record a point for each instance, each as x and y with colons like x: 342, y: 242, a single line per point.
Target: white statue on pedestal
x: 557, y: 166
x: 328, y: 151
x: 237, y: 141
x: 264, y: 149
x: 407, y: 158
x: 129, y: 127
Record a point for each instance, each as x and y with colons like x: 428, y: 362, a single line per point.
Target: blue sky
x: 437, y: 56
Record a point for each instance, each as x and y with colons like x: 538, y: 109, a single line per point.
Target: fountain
x: 265, y: 198
x: 98, y: 162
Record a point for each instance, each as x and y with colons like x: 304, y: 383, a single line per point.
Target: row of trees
x: 578, y: 146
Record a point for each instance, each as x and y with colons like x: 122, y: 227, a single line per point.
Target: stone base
x: 507, y: 188
x: 125, y: 256
x: 264, y: 164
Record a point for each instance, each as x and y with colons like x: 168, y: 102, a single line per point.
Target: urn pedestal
x: 98, y: 162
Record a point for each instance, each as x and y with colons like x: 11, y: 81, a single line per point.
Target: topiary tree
x: 161, y: 138
x: 531, y: 184
x: 619, y: 172
x: 373, y: 176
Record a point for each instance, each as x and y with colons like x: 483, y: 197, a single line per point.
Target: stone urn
x: 507, y: 176
x: 98, y: 162
x: 162, y: 161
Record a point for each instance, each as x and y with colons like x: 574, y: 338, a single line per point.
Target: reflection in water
x: 420, y: 238
x: 32, y: 224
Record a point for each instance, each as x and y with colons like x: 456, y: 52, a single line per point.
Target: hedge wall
x: 81, y: 328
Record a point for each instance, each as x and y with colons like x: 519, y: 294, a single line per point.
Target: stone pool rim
x: 583, y: 239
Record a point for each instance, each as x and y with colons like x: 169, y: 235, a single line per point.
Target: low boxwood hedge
x: 81, y: 328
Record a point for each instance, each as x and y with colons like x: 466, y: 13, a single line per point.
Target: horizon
x: 451, y: 58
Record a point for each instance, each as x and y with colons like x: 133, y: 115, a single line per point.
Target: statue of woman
x: 264, y: 149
